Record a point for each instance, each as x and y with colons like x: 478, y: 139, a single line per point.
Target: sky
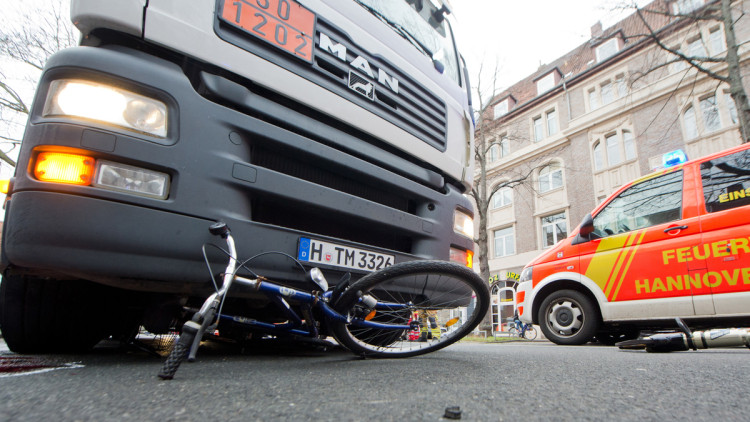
x: 521, y: 35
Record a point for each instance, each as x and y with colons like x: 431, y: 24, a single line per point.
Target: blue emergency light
x: 673, y: 158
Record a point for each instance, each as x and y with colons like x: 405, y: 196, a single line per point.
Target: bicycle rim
x: 530, y: 333
x: 447, y: 300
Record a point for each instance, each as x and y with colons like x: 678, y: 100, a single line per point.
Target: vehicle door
x: 726, y: 231
x: 627, y: 258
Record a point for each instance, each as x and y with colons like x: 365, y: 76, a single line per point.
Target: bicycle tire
x: 445, y: 289
x: 530, y: 333
x: 178, y: 354
x: 513, y: 331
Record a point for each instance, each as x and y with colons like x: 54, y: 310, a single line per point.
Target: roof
x: 582, y: 59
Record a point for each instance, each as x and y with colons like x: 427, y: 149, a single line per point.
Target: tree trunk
x: 736, y: 89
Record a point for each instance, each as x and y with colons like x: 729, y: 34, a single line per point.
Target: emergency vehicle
x: 675, y: 243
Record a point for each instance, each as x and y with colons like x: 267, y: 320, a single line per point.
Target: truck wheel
x: 568, y: 317
x: 51, y: 316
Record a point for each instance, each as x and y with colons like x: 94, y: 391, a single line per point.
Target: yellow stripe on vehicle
x: 603, y: 261
x: 622, y: 255
x: 630, y: 261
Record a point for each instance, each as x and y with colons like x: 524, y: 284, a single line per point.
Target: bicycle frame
x: 278, y: 294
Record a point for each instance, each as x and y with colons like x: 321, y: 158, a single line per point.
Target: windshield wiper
x: 399, y: 30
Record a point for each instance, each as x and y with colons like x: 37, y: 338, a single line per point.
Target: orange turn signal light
x: 60, y: 167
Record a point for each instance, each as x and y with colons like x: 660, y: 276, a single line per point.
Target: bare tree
x: 24, y: 49
x: 662, y: 20
x: 485, y: 185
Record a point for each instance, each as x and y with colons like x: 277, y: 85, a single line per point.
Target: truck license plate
x: 320, y: 252
x: 283, y: 23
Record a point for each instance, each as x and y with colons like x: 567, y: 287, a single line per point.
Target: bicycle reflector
x: 65, y: 168
x: 371, y: 315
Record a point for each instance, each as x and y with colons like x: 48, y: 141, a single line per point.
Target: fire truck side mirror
x: 585, y: 230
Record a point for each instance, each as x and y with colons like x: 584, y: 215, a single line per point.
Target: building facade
x: 599, y: 116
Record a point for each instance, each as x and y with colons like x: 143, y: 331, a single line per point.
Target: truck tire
x: 568, y: 317
x: 52, y: 316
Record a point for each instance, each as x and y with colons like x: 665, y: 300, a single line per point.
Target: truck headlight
x: 463, y: 224
x: 135, y: 180
x: 104, y: 103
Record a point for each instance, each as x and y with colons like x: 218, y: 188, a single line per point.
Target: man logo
x: 362, y: 85
x: 361, y: 64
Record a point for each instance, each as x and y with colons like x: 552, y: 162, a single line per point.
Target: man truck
x: 335, y: 132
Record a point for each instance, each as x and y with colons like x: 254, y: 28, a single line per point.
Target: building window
x: 551, y: 122
x: 617, y: 147
x: 686, y: 6
x: 504, y: 242
x: 594, y: 99
x: 629, y: 144
x: 613, y: 149
x: 501, y: 108
x: 607, y: 95
x: 716, y: 41
x: 550, y: 177
x: 503, y: 197
x: 677, y: 63
x: 731, y: 107
x: 710, y: 112
x: 607, y: 49
x: 607, y: 92
x: 538, y: 129
x: 554, y: 229
x: 696, y: 47
x: 621, y: 86
x: 494, y: 153
x: 691, y: 124
x: 545, y: 84
x: 598, y: 156
x: 545, y: 125
x: 504, y: 146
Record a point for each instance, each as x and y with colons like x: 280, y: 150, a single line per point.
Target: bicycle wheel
x: 406, y: 294
x: 530, y: 333
x: 513, y: 331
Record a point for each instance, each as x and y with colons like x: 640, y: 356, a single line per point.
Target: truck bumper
x: 272, y: 180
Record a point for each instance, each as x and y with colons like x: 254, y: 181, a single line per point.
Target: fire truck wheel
x: 50, y: 316
x: 568, y: 317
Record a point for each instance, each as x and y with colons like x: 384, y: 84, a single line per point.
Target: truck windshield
x: 430, y: 36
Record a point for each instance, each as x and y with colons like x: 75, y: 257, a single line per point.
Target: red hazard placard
x: 283, y: 23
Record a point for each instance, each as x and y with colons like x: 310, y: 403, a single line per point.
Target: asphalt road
x: 489, y: 382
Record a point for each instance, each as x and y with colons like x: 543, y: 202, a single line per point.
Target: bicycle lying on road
x: 369, y: 317
x: 522, y: 330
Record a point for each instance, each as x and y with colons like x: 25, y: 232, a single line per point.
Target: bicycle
x: 527, y: 331
x: 370, y: 317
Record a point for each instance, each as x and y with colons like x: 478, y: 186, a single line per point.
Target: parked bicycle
x: 522, y: 330
x: 371, y: 317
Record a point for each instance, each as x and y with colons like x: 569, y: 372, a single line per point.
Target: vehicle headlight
x: 463, y: 224
x: 525, y: 274
x: 104, y: 103
x: 136, y: 180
